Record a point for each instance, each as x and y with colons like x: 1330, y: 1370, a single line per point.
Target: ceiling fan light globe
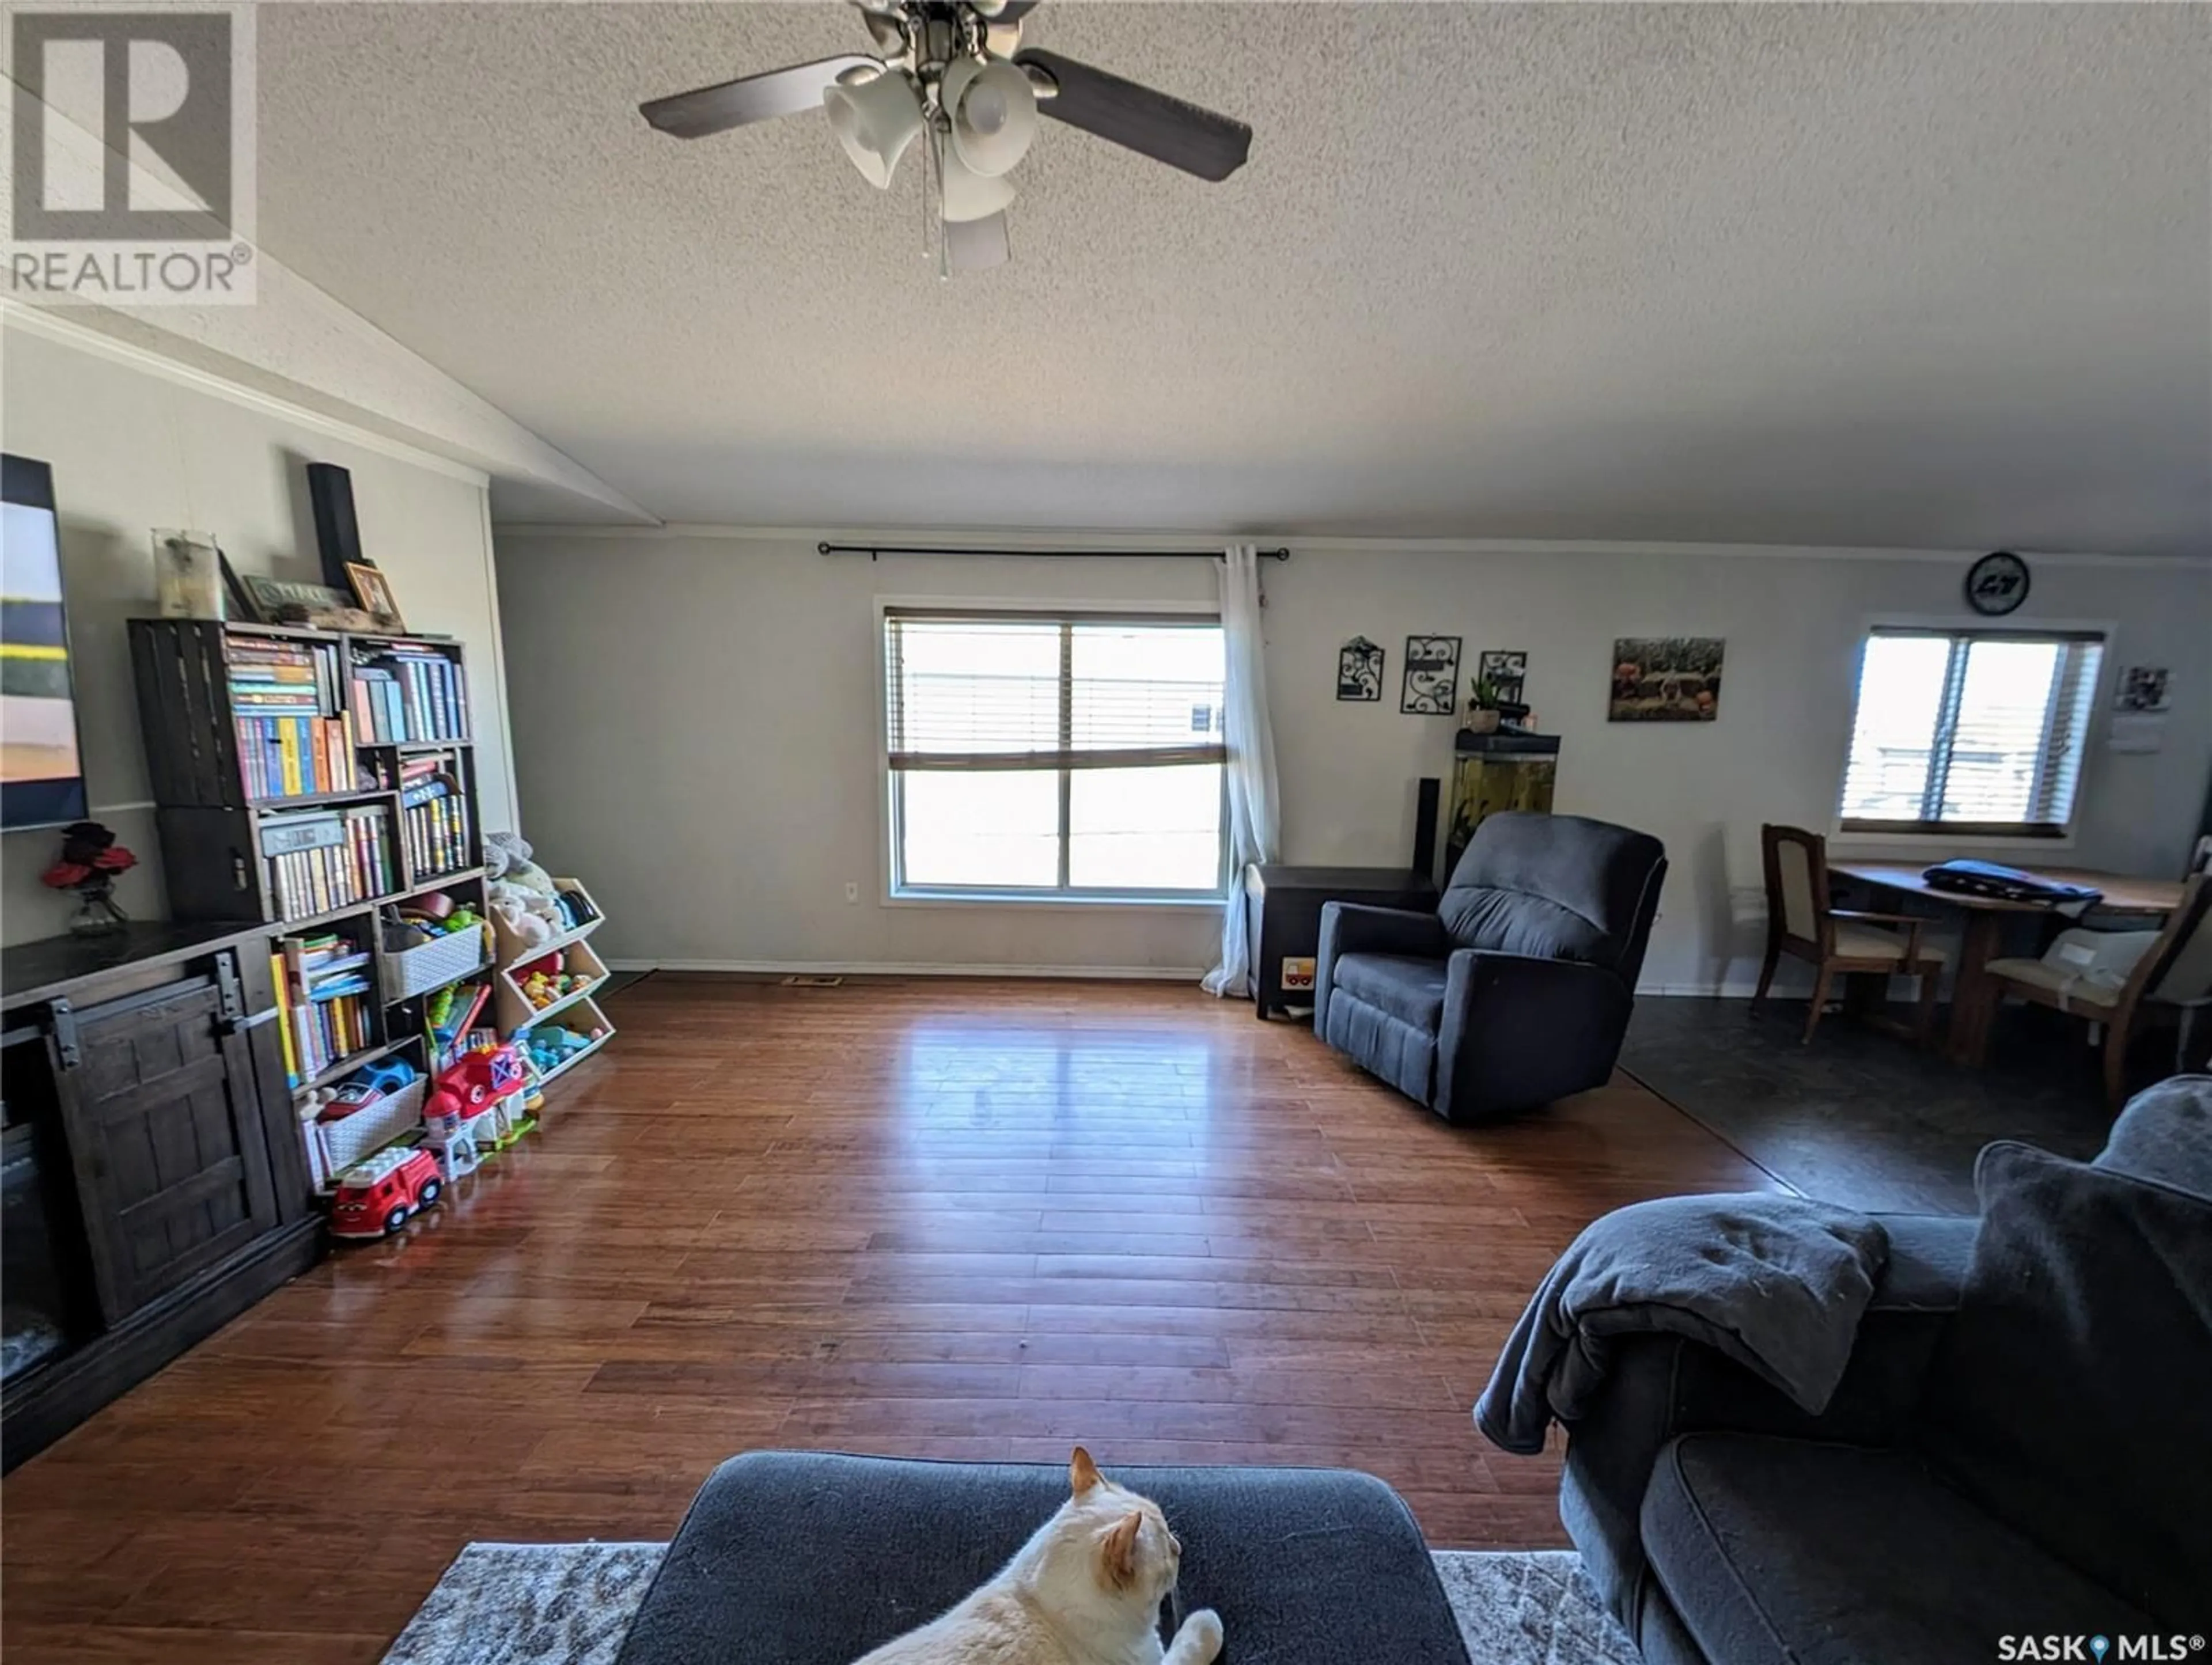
x: 968, y: 195
x: 985, y: 110
x: 992, y: 109
x: 875, y: 122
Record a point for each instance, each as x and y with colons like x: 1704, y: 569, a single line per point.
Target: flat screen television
x: 41, y: 775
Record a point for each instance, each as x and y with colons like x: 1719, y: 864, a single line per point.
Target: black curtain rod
x: 875, y: 551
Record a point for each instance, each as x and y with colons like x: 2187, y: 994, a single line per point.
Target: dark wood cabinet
x: 163, y: 1121
x: 144, y: 1071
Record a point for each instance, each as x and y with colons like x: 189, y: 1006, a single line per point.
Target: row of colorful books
x: 434, y: 819
x: 295, y: 756
x: 325, y: 1010
x: 271, y: 675
x: 409, y: 695
x: 316, y: 860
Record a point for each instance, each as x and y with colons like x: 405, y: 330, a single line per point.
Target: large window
x: 1971, y: 732
x: 1078, y: 755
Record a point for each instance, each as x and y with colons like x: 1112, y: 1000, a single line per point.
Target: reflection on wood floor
x: 949, y: 1218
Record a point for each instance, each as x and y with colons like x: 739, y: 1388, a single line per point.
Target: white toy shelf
x: 577, y: 1008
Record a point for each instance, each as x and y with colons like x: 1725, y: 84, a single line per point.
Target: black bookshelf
x: 366, y: 711
x: 221, y: 789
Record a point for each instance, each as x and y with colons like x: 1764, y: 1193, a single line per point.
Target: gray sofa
x: 1517, y: 990
x: 2021, y: 1444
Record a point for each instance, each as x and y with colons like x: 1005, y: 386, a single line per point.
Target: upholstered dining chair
x: 1838, y: 941
x: 2173, y: 978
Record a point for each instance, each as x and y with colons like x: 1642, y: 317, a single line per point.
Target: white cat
x: 1084, y: 1590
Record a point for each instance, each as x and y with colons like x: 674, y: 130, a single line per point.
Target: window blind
x: 1021, y: 691
x: 1970, y: 730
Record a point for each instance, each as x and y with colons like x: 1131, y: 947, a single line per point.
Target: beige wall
x: 135, y: 446
x: 696, y: 729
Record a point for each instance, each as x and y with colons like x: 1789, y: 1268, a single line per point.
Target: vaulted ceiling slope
x: 1920, y: 275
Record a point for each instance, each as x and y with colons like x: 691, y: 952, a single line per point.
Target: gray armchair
x: 1517, y: 991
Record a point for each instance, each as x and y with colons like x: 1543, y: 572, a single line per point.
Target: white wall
x: 696, y: 728
x: 136, y: 444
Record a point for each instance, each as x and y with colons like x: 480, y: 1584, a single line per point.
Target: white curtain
x: 1255, y: 817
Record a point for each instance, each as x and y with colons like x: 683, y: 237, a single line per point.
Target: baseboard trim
x: 1728, y: 989
x: 1152, y: 973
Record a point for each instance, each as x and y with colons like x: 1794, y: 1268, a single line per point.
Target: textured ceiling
x: 1863, y: 275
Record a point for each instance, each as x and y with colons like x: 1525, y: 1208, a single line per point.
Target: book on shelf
x: 293, y: 739
x: 405, y: 694
x: 325, y: 1007
x: 316, y: 860
x: 434, y: 819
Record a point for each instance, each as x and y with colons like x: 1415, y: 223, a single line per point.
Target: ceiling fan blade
x: 1155, y: 124
x: 1007, y: 11
x: 730, y: 104
x: 976, y: 245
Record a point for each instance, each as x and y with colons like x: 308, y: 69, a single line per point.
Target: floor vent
x: 812, y: 980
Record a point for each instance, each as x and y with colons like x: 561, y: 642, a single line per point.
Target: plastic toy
x: 551, y: 1046
x: 450, y: 1136
x: 480, y: 1078
x: 376, y: 1197
x: 389, y: 1075
x: 354, y: 1095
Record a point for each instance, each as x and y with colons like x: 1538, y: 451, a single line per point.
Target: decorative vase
x: 96, y: 912
x: 1482, y: 721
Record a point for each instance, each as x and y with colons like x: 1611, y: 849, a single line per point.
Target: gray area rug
x: 571, y: 1604
x: 1862, y: 1119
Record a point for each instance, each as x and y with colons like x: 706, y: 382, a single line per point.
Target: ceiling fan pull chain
x: 928, y: 179
x: 937, y: 167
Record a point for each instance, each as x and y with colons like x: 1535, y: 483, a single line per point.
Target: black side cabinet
x: 1282, y: 906
x: 155, y: 1179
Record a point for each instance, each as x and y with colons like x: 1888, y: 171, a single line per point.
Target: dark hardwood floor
x: 950, y: 1219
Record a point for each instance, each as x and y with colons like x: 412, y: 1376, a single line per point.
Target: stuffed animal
x: 530, y: 916
x: 507, y: 857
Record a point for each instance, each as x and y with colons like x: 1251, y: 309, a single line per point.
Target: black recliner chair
x: 1517, y: 991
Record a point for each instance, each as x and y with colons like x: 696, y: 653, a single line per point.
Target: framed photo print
x: 1665, y: 679
x: 2143, y: 688
x: 1360, y: 670
x: 374, y: 594
x: 1430, y: 688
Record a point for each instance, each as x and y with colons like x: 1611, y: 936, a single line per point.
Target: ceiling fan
x: 952, y: 74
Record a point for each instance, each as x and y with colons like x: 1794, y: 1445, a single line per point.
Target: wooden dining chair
x: 1838, y: 941
x: 2173, y: 978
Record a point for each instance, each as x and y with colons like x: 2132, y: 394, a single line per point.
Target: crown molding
x: 954, y: 541
x: 53, y: 325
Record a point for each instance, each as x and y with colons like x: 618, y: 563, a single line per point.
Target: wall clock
x: 1996, y: 584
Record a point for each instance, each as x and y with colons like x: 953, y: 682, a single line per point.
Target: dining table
x: 1966, y: 1038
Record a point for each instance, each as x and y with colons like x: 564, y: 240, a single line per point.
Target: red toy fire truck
x: 376, y: 1196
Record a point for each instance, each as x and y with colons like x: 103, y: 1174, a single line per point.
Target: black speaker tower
x: 337, y: 535
x: 1425, y: 828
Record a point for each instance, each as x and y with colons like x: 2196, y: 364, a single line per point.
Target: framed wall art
x: 1430, y: 688
x: 1506, y: 670
x: 1360, y: 670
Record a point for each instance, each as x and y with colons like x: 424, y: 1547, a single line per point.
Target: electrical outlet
x: 851, y: 892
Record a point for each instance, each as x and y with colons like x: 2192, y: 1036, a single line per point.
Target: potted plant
x: 89, y: 862
x: 1482, y: 708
